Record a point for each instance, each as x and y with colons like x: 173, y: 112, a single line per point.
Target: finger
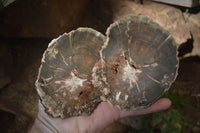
x: 161, y: 104
x: 103, y: 115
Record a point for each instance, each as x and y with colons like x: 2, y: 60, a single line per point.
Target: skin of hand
x: 101, y: 117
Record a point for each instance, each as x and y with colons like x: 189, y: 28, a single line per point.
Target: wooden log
x: 5, y: 3
x: 50, y: 19
x: 166, y: 16
x: 185, y: 3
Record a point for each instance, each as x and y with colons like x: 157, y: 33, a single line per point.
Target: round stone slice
x: 67, y: 83
x: 141, y: 62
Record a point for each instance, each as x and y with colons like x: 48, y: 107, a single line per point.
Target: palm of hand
x: 101, y: 117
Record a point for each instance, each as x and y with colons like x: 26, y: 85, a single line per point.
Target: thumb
x: 160, y: 105
x: 105, y: 114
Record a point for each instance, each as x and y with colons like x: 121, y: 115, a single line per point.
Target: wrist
x: 44, y: 123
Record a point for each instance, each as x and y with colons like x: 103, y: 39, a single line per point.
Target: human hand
x: 101, y: 117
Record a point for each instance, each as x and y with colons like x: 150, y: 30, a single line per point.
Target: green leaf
x: 190, y: 107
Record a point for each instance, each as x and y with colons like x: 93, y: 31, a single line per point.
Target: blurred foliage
x: 172, y: 120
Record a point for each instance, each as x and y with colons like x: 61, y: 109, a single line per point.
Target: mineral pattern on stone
x: 130, y: 68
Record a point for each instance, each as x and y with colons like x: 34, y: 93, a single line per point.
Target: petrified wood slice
x: 67, y: 83
x: 141, y: 62
x: 131, y: 69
